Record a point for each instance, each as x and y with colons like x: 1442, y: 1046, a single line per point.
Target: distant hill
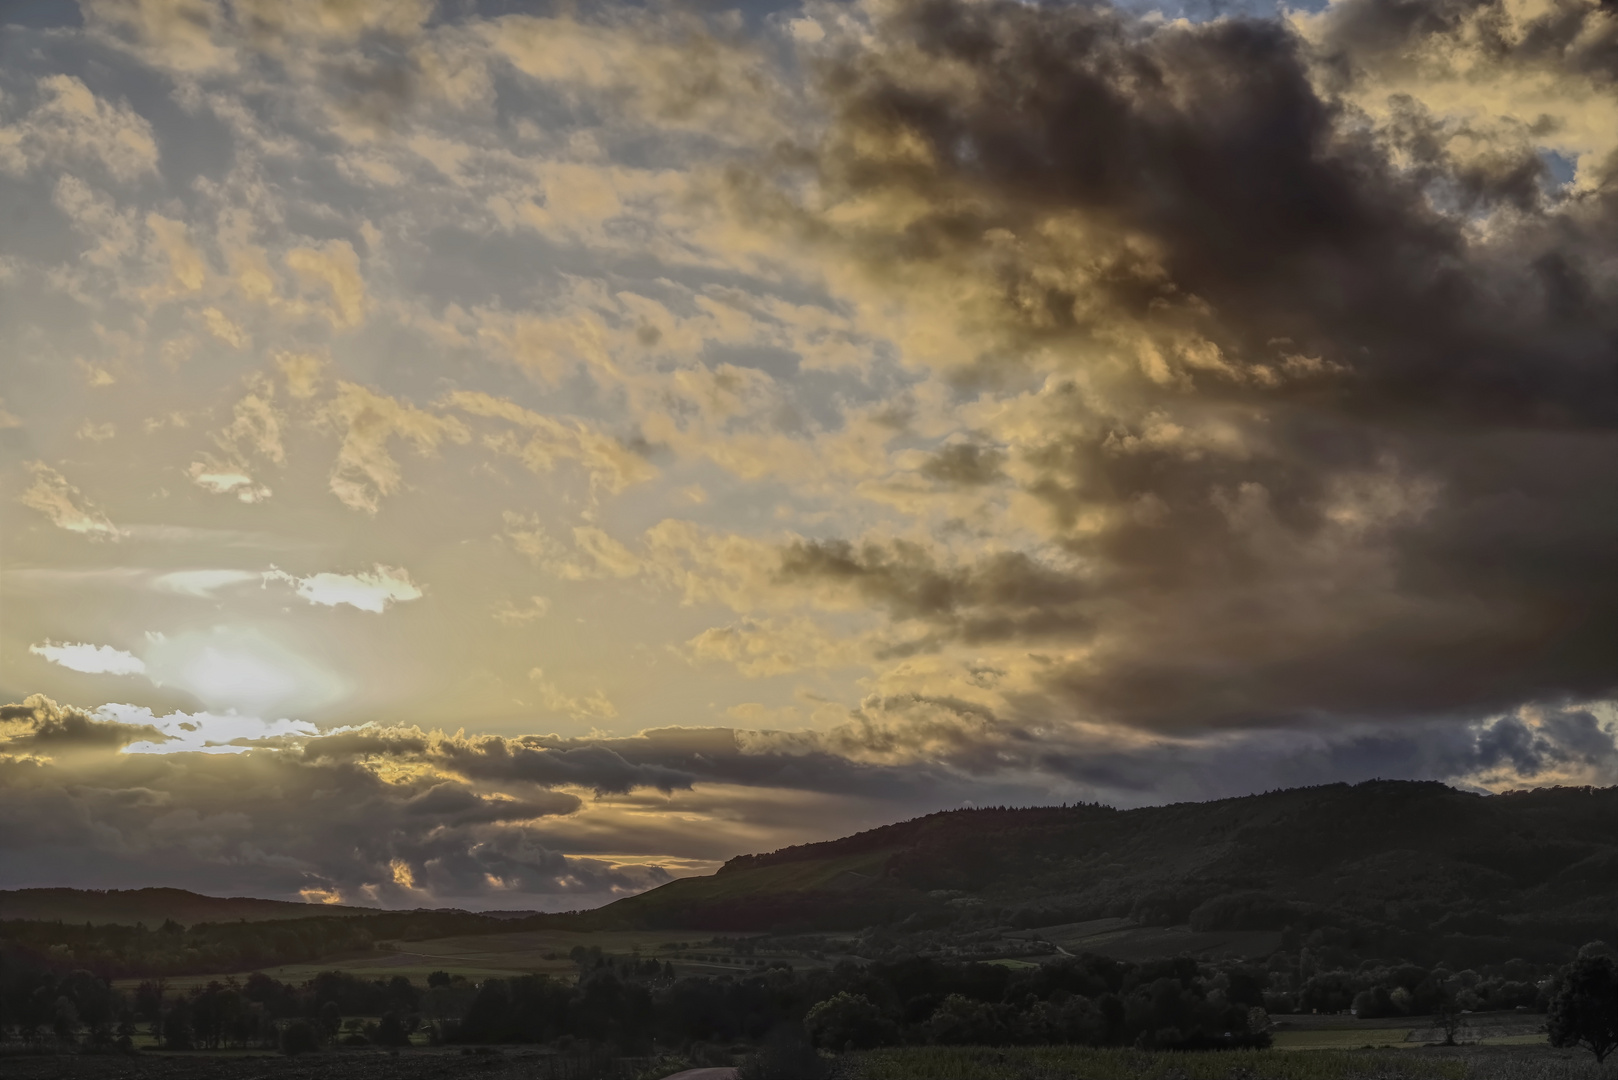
x: 153, y: 906
x: 1384, y: 868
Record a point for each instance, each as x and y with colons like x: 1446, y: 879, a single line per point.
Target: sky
x: 511, y: 454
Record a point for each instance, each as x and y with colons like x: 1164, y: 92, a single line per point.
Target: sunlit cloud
x: 90, y: 659
x: 228, y: 482
x: 372, y: 591
x: 202, y: 583
x: 66, y: 506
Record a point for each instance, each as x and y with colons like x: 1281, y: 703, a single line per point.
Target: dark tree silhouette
x: 848, y: 1021
x: 299, y: 1037
x: 1584, y: 1011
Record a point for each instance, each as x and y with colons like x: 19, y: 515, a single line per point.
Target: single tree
x: 1584, y: 1010
x: 1448, y: 1019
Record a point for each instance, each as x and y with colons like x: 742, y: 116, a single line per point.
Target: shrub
x: 785, y: 1055
x: 849, y: 1022
x: 299, y: 1037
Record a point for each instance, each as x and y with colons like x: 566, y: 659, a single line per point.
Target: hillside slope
x: 154, y: 906
x: 1390, y: 865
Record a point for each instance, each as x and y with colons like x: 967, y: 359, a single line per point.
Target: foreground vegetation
x: 1069, y: 1063
x: 1066, y: 1062
x: 639, y: 1005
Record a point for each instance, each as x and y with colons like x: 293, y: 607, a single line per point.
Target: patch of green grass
x: 1084, y: 1063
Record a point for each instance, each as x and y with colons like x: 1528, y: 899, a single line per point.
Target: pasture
x: 546, y: 952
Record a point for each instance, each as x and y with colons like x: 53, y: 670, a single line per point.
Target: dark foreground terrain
x: 363, y: 1064
x: 906, y: 1063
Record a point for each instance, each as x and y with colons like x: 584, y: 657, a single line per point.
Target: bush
x: 785, y: 1055
x: 849, y: 1022
x: 299, y: 1037
x: 392, y: 1030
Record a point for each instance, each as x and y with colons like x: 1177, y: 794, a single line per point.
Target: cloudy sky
x: 509, y: 454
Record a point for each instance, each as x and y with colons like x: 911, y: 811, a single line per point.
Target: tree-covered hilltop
x: 1413, y: 870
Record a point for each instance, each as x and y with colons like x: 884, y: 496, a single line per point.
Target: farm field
x: 481, y: 956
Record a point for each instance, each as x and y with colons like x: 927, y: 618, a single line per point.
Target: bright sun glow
x: 229, y: 668
x: 223, y: 675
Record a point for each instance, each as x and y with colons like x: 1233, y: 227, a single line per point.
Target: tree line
x: 123, y: 951
x: 634, y: 1005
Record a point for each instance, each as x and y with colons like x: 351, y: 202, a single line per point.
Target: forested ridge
x: 1393, y: 868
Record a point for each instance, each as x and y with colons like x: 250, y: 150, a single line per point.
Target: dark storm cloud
x: 775, y: 761
x: 492, y: 758
x: 1404, y: 334
x: 1265, y: 199
x: 275, y: 821
x: 908, y: 580
x: 586, y: 766
x: 39, y: 723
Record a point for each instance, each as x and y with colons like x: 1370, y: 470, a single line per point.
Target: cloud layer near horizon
x: 808, y: 417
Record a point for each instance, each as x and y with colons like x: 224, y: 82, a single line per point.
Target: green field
x: 1404, y: 1032
x: 482, y: 956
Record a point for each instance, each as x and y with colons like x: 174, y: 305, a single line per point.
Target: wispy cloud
x: 202, y: 583
x: 91, y: 659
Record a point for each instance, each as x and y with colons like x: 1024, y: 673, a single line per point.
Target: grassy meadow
x: 1404, y: 1032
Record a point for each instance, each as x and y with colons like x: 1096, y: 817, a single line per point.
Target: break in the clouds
x: 790, y: 419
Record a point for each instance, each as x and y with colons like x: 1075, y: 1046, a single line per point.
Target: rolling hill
x: 1391, y: 868
x: 154, y: 906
